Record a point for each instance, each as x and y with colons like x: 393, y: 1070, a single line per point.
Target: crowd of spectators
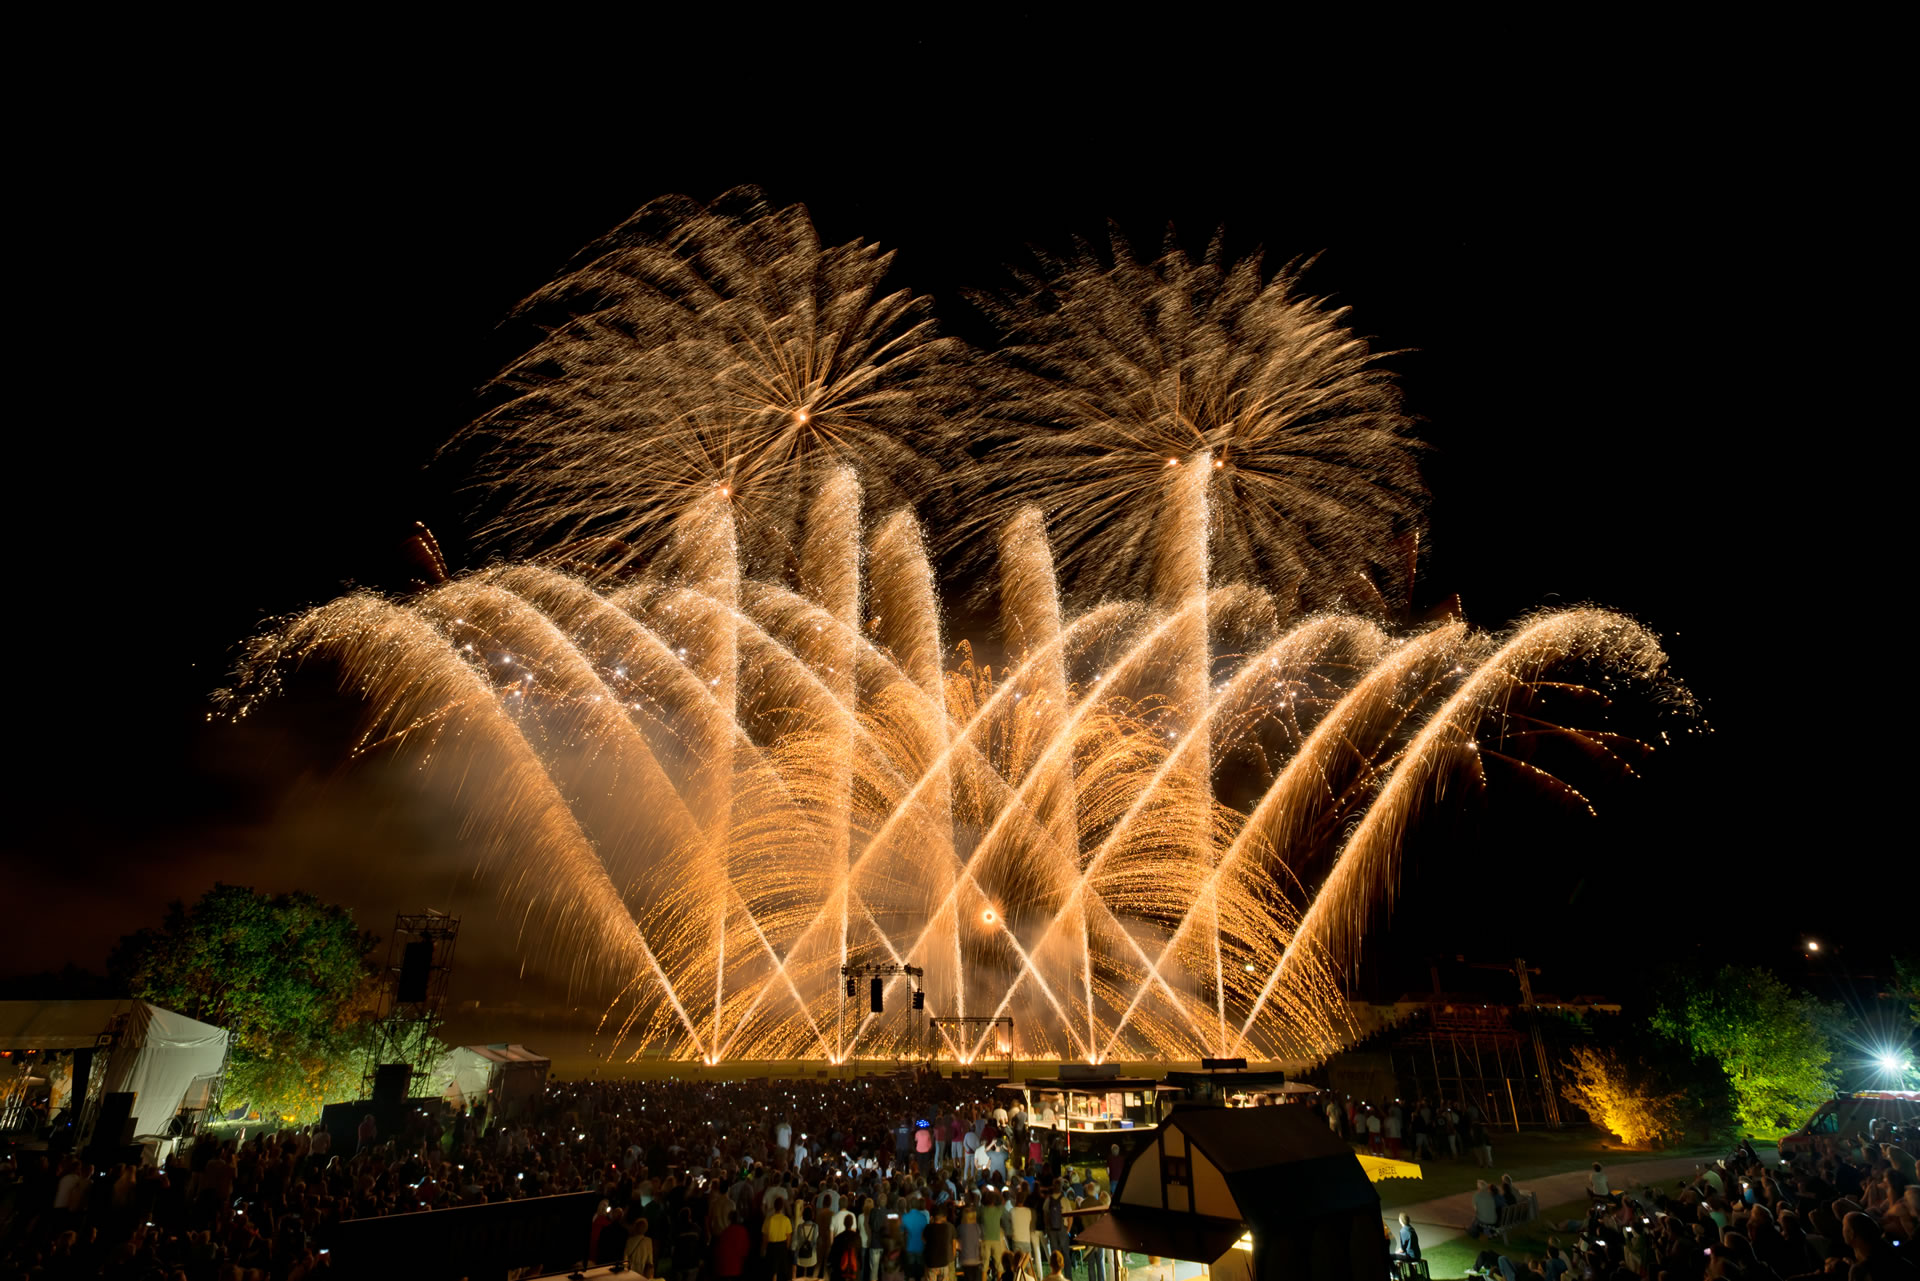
x: 884, y: 1179
x: 1423, y: 1130
x: 1845, y: 1208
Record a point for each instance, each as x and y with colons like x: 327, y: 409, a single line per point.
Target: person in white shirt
x: 1597, y: 1184
x: 783, y: 1134
x: 1020, y: 1228
x: 1000, y: 1117
x: 71, y: 1193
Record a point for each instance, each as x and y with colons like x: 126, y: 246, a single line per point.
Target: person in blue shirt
x: 1406, y: 1245
x: 914, y: 1224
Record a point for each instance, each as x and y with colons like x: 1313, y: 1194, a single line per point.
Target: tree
x: 286, y: 975
x: 1771, y: 1043
x: 1629, y: 1100
x: 1906, y: 984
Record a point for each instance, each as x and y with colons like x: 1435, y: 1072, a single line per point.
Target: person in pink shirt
x: 923, y: 1145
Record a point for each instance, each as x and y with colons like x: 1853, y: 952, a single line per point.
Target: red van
x: 1850, y: 1114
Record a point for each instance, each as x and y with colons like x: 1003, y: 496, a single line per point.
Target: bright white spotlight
x: 1890, y: 1062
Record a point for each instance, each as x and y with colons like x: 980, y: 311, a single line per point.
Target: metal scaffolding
x: 420, y: 963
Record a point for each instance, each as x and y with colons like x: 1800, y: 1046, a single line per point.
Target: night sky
x: 1635, y: 340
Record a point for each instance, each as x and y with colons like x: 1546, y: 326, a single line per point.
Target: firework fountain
x: 738, y: 753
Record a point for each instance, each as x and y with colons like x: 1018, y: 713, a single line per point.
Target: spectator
x: 993, y: 1236
x: 776, y: 1241
x: 1096, y: 1256
x: 1873, y: 1258
x: 806, y: 1247
x: 730, y: 1248
x: 638, y: 1255
x: 845, y: 1253
x: 1053, y: 1213
x: 1022, y: 1231
x: 939, y: 1245
x: 689, y: 1247
x: 972, y: 1244
x: 1482, y: 1145
x: 1406, y: 1245
x: 1486, y: 1210
x: 914, y: 1224
x: 1597, y: 1184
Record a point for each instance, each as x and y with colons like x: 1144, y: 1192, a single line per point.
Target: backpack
x: 805, y: 1239
x: 847, y: 1262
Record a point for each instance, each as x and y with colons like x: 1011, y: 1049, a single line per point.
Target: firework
x: 751, y: 756
x: 711, y: 350
x: 727, y: 787
x: 1118, y: 373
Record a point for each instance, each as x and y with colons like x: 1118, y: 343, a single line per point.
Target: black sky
x: 1641, y: 332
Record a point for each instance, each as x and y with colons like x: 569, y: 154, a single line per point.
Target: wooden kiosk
x: 1262, y: 1194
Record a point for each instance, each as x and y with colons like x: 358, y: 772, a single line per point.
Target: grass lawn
x: 1452, y: 1258
x: 1526, y: 1155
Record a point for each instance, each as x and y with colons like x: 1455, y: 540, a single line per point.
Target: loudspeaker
x: 853, y: 986
x: 874, y: 999
x: 919, y: 999
x: 114, y: 1128
x: 390, y: 1081
x: 416, y: 967
x: 1219, y: 1065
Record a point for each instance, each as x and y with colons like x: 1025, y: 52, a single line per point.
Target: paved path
x: 1445, y: 1218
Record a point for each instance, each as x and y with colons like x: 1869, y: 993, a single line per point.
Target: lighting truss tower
x: 850, y: 986
x: 419, y: 963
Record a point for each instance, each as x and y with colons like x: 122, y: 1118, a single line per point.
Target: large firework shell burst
x: 711, y: 349
x: 1118, y: 369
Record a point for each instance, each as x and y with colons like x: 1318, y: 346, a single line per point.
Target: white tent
x: 157, y: 1055
x: 500, y: 1076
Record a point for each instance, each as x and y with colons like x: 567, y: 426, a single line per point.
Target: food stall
x: 1089, y: 1116
x: 1226, y: 1195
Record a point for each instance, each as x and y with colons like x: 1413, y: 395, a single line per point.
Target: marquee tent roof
x: 153, y: 1053
x: 57, y: 1025
x: 506, y: 1053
